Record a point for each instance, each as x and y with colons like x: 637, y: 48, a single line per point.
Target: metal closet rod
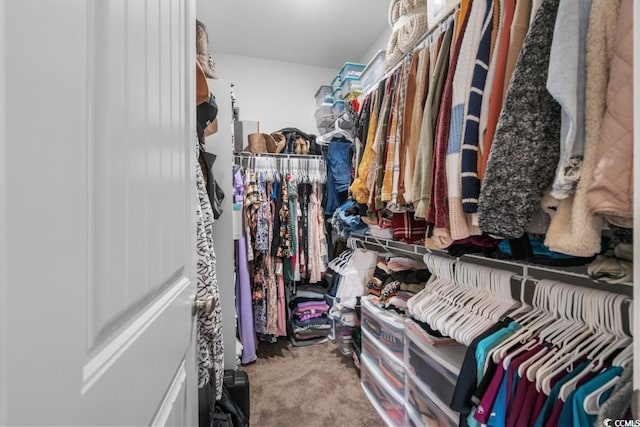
x: 280, y: 155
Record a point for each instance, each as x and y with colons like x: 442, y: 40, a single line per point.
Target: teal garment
x: 472, y: 422
x: 547, y: 408
x: 287, y: 270
x: 499, y: 411
x: 488, y: 343
x: 580, y: 417
x: 482, y: 351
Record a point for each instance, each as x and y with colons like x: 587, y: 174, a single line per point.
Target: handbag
x: 215, y: 192
x: 227, y: 405
x: 207, y: 113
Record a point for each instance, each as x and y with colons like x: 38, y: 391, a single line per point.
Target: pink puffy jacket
x: 611, y: 192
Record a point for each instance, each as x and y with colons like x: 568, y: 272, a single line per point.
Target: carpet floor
x: 307, y: 386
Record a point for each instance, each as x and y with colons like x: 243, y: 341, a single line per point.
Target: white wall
x: 379, y: 44
x: 275, y: 93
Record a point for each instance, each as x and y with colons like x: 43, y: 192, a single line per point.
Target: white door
x: 97, y: 229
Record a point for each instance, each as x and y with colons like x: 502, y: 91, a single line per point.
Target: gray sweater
x: 526, y: 146
x: 617, y: 405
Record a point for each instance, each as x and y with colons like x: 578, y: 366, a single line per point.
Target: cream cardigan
x: 574, y: 230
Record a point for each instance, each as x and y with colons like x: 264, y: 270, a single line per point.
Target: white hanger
x: 591, y: 403
x: 540, y: 315
x: 611, y: 320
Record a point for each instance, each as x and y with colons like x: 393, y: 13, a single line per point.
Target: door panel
x: 97, y: 204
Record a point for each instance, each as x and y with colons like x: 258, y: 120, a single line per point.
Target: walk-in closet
x: 358, y: 213
x: 452, y: 222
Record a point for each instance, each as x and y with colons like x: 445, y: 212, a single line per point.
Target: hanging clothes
x: 611, y: 192
x: 210, y: 350
x: 525, y: 149
x: 287, y: 242
x: 574, y: 229
x: 244, y: 307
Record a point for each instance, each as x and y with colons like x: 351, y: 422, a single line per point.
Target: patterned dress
x: 210, y: 350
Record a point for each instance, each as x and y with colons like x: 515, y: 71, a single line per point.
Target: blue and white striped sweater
x: 469, y: 155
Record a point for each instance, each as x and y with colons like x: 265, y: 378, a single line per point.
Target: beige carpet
x: 307, y: 386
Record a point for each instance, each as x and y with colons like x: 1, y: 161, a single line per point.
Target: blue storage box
x: 335, y: 83
x: 350, y: 85
x: 351, y: 69
x: 338, y: 108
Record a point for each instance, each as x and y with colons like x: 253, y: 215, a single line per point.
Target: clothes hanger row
x: 577, y: 324
x: 462, y: 299
x: 302, y: 169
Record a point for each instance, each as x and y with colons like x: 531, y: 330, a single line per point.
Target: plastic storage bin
x: 324, y: 95
x: 385, y: 326
x: 324, y: 115
x: 389, y: 404
x: 335, y: 83
x: 336, y: 94
x: 436, y: 367
x: 349, y: 86
x: 337, y: 108
x: 413, y: 419
x: 423, y: 406
x: 351, y: 69
x: 373, y: 71
x: 343, y: 337
x: 384, y: 362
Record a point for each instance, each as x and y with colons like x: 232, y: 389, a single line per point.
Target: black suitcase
x: 237, y: 382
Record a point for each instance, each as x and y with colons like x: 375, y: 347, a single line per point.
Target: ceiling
x: 324, y: 33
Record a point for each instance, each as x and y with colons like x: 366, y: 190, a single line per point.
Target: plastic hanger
x: 540, y: 317
x: 591, y: 403
x: 561, y: 332
x: 613, y: 318
x: 326, y: 138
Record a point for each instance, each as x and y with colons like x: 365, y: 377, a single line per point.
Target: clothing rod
x: 439, y: 26
x: 278, y: 155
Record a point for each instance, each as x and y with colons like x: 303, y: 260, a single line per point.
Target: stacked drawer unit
x: 431, y: 376
x: 383, y: 374
x: 343, y: 337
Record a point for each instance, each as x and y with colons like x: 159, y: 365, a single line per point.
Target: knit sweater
x: 519, y: 30
x: 574, y: 230
x: 469, y: 155
x: 413, y: 137
x: 411, y: 95
x: 525, y: 149
x: 459, y: 225
x: 424, y: 162
x: 496, y: 94
x: 438, y: 213
x: 498, y: 27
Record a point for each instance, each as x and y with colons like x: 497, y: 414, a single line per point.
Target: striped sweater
x: 470, y: 181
